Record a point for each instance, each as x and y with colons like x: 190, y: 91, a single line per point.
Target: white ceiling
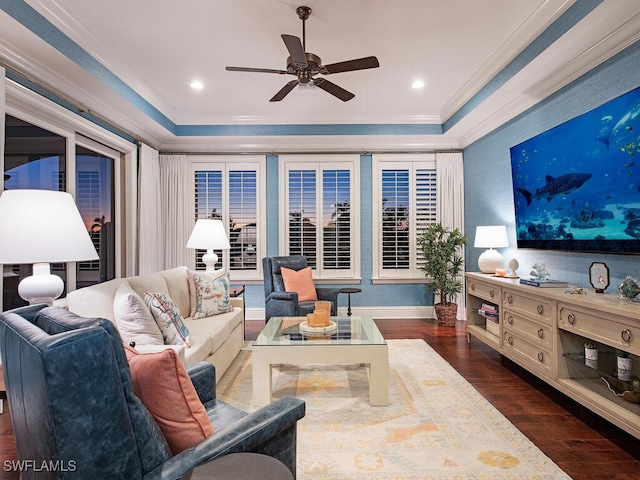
x: 150, y: 50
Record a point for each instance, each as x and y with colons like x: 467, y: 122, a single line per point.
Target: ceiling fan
x: 305, y: 65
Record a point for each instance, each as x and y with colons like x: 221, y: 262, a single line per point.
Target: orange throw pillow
x: 163, y: 385
x: 301, y: 282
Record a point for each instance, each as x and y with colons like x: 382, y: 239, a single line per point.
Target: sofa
x: 76, y: 411
x: 216, y: 339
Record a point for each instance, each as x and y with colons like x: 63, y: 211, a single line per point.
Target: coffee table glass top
x: 352, y: 330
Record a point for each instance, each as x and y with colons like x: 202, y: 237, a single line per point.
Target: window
x: 320, y: 201
x: 404, y: 203
x: 36, y: 158
x: 229, y: 190
x: 94, y: 196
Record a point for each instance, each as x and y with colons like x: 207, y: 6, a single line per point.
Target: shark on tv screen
x: 576, y: 187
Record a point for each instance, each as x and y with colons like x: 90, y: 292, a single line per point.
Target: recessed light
x: 417, y: 84
x: 197, y: 85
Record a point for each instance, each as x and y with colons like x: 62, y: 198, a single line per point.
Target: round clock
x: 599, y: 276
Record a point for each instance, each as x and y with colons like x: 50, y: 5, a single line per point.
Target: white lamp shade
x: 42, y: 226
x: 209, y: 234
x: 493, y: 236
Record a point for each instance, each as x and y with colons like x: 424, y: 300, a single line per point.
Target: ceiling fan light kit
x: 305, y: 65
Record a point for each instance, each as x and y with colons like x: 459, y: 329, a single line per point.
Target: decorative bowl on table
x: 305, y: 328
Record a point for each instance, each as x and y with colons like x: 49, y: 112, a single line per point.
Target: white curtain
x: 177, y: 219
x: 450, y: 195
x: 150, y: 224
x: 163, y: 211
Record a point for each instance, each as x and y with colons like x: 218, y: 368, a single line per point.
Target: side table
x: 349, y: 291
x: 242, y: 466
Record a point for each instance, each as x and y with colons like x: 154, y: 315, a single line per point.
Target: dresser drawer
x: 484, y: 290
x: 526, y: 304
x: 537, y: 357
x: 617, y: 332
x: 539, y: 333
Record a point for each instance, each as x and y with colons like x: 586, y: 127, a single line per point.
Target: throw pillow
x: 133, y: 318
x: 209, y: 295
x: 164, y: 386
x: 168, y: 318
x: 300, y: 281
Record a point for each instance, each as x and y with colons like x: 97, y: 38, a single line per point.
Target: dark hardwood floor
x: 581, y: 443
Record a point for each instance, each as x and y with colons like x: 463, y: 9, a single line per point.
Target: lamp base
x: 42, y: 286
x: 490, y: 260
x: 210, y: 259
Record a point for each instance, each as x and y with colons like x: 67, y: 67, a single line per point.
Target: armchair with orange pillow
x: 289, y: 289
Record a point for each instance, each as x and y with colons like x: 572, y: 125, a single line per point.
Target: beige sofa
x: 216, y: 339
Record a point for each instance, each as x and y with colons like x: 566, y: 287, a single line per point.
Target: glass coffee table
x: 355, y: 340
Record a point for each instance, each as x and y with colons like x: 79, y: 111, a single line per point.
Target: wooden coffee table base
x: 375, y: 357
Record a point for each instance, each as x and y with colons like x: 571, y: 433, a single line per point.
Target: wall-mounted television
x: 576, y: 187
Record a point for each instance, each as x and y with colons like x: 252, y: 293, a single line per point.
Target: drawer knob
x: 510, y: 340
x: 510, y: 320
x: 541, y: 357
x: 492, y: 293
x: 473, y: 286
x: 626, y: 335
x: 510, y: 299
x: 571, y: 318
x: 540, y: 309
x: 540, y: 333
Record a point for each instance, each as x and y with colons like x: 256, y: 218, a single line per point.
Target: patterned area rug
x: 437, y: 425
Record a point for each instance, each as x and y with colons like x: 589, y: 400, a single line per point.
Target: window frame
x: 320, y: 163
x: 226, y: 163
x: 412, y: 162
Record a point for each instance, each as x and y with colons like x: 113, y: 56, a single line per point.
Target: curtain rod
x: 318, y: 152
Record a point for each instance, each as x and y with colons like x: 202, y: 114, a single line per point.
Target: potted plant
x: 443, y: 262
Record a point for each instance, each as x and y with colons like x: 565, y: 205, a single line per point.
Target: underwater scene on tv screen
x: 577, y: 186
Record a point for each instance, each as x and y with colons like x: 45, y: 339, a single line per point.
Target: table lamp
x: 490, y: 237
x: 42, y: 227
x: 209, y: 234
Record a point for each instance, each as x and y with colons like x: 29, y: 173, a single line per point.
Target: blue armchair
x: 278, y: 302
x: 72, y: 405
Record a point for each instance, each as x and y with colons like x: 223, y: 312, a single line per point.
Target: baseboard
x: 377, y: 313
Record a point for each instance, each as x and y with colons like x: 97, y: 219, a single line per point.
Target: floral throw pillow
x: 209, y: 295
x: 168, y: 318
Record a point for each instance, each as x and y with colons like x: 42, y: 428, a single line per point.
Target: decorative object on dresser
x: 599, y: 276
x: 42, y: 227
x: 443, y: 263
x: 540, y: 278
x: 490, y: 237
x: 513, y: 265
x: 629, y: 289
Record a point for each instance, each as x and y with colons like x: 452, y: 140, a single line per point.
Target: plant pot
x: 446, y: 314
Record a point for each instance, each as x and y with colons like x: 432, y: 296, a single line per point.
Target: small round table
x: 242, y: 466
x: 349, y: 291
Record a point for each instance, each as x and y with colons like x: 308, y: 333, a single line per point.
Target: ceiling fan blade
x: 284, y: 91
x: 333, y: 89
x: 258, y: 70
x: 296, y: 50
x: 350, y: 65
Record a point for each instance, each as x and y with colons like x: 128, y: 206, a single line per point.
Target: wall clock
x: 599, y: 276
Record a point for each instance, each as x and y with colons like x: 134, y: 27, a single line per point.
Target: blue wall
x: 487, y: 170
x: 380, y: 295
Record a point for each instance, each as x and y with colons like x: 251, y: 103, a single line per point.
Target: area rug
x: 437, y: 426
